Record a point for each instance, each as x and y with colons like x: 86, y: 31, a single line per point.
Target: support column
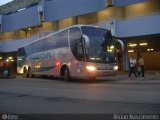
x: 125, y: 57
x: 120, y: 54
x: 138, y: 50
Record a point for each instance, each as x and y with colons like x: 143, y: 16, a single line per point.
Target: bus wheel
x: 25, y: 73
x: 66, y: 74
x: 30, y: 73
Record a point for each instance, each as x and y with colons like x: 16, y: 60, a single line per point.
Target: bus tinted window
x: 76, y: 43
x: 21, y: 52
x: 38, y: 46
x: 101, y: 45
x: 34, y: 47
x: 75, y: 34
x: 56, y: 41
x: 49, y: 43
x: 62, y: 39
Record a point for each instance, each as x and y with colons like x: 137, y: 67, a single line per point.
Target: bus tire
x: 67, y: 74
x: 30, y: 75
x: 25, y: 72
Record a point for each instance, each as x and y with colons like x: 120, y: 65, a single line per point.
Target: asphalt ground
x: 109, y: 97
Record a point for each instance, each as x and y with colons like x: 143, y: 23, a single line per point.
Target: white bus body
x: 76, y: 52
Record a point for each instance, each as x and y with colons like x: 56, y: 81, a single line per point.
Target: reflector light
x: 58, y: 63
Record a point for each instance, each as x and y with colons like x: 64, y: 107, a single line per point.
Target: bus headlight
x: 91, y: 68
x: 115, y: 67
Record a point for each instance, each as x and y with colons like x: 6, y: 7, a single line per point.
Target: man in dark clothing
x: 132, y: 63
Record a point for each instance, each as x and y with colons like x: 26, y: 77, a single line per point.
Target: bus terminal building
x: 135, y: 23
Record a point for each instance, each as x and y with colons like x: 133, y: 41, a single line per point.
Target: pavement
x: 36, y: 98
x: 150, y: 76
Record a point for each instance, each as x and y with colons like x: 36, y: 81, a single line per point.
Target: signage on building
x: 16, y: 5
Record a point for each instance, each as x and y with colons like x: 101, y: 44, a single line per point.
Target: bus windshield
x: 101, y: 45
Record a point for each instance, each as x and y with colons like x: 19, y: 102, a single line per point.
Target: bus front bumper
x: 101, y: 73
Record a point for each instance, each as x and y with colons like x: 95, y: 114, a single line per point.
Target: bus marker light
x: 58, y: 63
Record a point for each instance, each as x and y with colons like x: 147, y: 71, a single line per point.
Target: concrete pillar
x: 138, y: 50
x: 120, y: 55
x: 125, y: 57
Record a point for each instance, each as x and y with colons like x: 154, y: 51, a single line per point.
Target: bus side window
x: 62, y: 39
x: 49, y: 43
x: 76, y: 43
x: 79, y: 50
x: 21, y: 52
x: 34, y: 47
x: 56, y: 41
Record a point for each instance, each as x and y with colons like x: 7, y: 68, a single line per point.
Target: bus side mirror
x: 86, y: 41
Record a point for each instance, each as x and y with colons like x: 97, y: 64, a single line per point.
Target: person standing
x: 133, y: 64
x: 141, y: 64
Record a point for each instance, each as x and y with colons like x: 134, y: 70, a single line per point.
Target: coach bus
x: 79, y: 51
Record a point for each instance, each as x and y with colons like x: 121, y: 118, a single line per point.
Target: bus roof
x: 78, y: 26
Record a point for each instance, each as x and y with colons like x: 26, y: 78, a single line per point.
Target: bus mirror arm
x: 86, y: 41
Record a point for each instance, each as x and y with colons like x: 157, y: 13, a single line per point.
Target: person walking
x: 133, y: 64
x: 141, y: 65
